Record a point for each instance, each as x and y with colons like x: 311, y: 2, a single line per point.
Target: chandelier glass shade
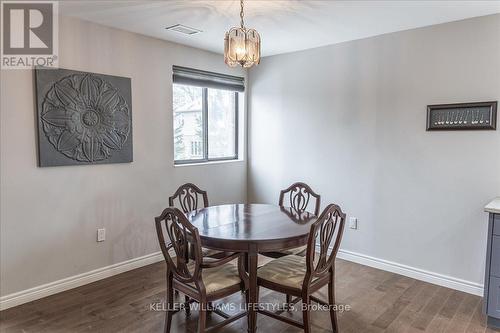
x: 242, y: 46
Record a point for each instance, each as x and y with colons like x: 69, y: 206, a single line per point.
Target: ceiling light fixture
x: 242, y: 45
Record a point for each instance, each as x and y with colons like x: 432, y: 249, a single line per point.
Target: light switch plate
x: 353, y: 222
x: 101, y: 235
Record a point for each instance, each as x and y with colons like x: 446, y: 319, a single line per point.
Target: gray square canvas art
x: 83, y: 118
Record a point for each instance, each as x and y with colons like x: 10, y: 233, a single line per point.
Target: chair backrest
x: 299, y: 196
x: 327, y: 230
x: 188, y: 196
x: 181, y: 236
x: 299, y: 217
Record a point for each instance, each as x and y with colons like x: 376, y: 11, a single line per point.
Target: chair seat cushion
x: 218, y: 278
x: 288, y: 271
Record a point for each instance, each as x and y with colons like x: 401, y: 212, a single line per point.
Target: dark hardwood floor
x: 380, y: 302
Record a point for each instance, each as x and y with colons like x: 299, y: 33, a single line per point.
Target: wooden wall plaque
x: 462, y: 116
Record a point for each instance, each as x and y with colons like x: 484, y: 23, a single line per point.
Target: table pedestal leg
x: 252, y: 292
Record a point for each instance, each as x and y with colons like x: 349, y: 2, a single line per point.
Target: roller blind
x: 196, y: 77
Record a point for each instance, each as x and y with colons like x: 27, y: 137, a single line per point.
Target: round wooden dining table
x: 251, y: 228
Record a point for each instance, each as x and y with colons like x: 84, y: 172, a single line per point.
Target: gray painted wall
x: 349, y: 119
x: 49, y: 216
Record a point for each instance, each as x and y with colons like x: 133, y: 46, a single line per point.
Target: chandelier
x: 242, y: 45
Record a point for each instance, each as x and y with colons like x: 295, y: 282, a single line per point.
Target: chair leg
x: 331, y: 302
x: 170, y: 305
x: 306, y: 314
x: 202, y: 321
x: 288, y: 301
x: 187, y: 307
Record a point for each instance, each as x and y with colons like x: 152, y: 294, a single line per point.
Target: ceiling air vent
x: 183, y: 29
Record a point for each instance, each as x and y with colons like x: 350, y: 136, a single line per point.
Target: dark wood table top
x: 230, y: 227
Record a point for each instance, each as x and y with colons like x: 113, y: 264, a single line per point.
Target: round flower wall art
x: 85, y: 118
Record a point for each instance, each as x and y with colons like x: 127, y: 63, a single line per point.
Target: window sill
x: 208, y: 163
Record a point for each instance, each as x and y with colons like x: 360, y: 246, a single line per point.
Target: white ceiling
x: 284, y: 25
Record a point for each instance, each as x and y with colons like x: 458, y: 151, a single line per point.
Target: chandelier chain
x: 241, y: 14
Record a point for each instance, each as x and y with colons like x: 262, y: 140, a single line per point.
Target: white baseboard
x: 416, y: 273
x: 71, y: 282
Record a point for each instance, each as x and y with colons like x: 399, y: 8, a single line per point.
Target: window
x: 205, y: 120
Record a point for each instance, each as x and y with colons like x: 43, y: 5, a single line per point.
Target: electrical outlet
x: 353, y: 222
x: 101, y: 235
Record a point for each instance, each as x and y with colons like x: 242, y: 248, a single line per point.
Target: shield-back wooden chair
x: 190, y: 197
x: 201, y: 279
x: 296, y: 200
x: 302, y: 276
x: 299, y: 197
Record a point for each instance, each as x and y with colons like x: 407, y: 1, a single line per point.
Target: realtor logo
x: 29, y: 34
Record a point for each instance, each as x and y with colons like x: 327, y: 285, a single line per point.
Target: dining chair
x: 202, y: 279
x: 190, y: 197
x: 299, y: 196
x: 302, y: 276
